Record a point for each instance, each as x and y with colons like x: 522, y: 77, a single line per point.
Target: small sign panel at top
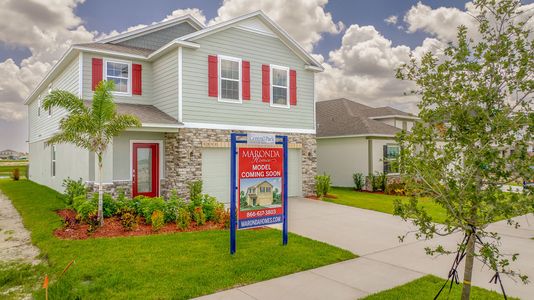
x: 261, y: 138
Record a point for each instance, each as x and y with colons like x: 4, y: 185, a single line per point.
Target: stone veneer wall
x: 112, y: 189
x: 183, y: 157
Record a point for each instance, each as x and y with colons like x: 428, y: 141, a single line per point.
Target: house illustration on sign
x: 260, y: 194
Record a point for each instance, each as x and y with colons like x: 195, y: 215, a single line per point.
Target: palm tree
x: 91, y: 128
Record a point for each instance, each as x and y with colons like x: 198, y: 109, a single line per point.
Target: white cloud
x: 304, y: 20
x: 391, y: 20
x: 195, y: 12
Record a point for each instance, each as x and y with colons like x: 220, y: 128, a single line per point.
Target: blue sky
x: 358, y: 48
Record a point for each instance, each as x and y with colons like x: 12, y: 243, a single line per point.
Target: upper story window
x: 391, y: 158
x: 229, y: 79
x: 120, y: 73
x: 279, y: 86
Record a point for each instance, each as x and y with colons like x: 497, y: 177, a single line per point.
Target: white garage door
x: 216, y: 173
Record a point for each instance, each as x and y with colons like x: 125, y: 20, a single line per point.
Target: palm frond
x: 119, y: 123
x: 103, y: 107
x: 66, y: 100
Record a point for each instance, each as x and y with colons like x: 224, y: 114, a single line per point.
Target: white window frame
x: 105, y: 75
x: 392, y: 159
x: 271, y: 85
x: 53, y: 160
x: 219, y: 65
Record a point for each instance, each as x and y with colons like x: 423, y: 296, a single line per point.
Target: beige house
x: 260, y: 194
x: 356, y: 138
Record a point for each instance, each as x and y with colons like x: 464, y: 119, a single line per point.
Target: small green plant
x: 221, y: 216
x: 73, y: 189
x: 183, y: 218
x: 15, y: 174
x: 397, y: 188
x: 198, y: 215
x: 322, y: 185
x: 374, y: 181
x: 93, y: 222
x: 359, y: 181
x: 84, y: 207
x: 129, y: 220
x: 158, y: 220
x: 382, y: 181
x: 146, y: 206
x: 195, y: 191
x: 209, y: 204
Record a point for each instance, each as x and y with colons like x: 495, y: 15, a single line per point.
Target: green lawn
x: 427, y: 287
x: 177, y: 266
x: 381, y: 202
x: 7, y: 170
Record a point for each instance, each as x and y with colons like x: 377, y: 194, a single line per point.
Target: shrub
x: 322, y: 185
x: 84, y: 207
x: 359, y: 182
x: 146, y: 206
x: 397, y: 188
x: 373, y: 181
x: 92, y: 220
x: 183, y: 218
x: 129, y: 220
x: 221, y: 216
x: 195, y: 192
x: 209, y: 204
x: 15, y: 174
x: 198, y: 216
x: 158, y: 220
x: 382, y: 181
x: 73, y: 189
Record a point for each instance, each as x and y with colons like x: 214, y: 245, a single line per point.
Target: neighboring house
x: 355, y: 138
x: 190, y: 86
x: 260, y: 194
x: 11, y: 154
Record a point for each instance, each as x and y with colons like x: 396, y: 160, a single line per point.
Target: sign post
x: 258, y: 183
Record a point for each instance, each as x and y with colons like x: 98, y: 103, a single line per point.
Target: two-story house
x: 356, y: 138
x: 190, y: 86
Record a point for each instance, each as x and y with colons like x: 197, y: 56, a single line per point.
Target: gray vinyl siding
x: 156, y: 40
x: 166, y: 83
x: 44, y: 126
x: 146, y: 80
x: 258, y: 49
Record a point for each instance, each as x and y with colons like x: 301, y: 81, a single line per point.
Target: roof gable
x: 258, y: 22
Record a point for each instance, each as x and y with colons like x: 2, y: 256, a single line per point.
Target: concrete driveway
x: 384, y: 262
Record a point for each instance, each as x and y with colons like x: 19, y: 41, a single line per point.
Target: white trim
x: 180, y: 80
x: 247, y: 128
x: 394, y: 116
x: 110, y: 52
x: 151, y: 28
x: 53, y: 161
x: 160, y: 125
x: 170, y: 45
x: 219, y: 79
x: 271, y: 86
x: 107, y: 60
x: 355, y: 136
x: 161, y: 165
x: 312, y: 68
x: 240, y: 27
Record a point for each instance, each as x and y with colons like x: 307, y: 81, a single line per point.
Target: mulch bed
x: 73, y: 230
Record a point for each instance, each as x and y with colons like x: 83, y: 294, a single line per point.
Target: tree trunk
x: 100, y: 192
x: 468, y: 270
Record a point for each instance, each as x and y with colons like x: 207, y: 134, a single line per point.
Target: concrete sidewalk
x: 384, y: 262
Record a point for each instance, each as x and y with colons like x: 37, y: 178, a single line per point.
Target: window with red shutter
x: 212, y: 76
x: 136, y: 79
x: 245, y: 65
x: 293, y: 87
x: 265, y: 83
x: 97, y: 72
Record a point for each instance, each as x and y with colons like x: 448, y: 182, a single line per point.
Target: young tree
x: 477, y: 101
x: 91, y: 128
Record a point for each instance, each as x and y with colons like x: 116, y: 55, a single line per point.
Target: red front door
x: 145, y: 169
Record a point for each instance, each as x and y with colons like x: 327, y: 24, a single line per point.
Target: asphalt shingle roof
x: 145, y: 113
x: 339, y: 117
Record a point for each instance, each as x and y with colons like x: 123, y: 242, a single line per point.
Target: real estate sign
x: 260, y: 178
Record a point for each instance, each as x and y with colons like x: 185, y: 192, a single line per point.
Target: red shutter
x: 245, y: 66
x: 292, y: 87
x: 97, y: 72
x: 213, y: 89
x: 136, y: 79
x: 265, y: 83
